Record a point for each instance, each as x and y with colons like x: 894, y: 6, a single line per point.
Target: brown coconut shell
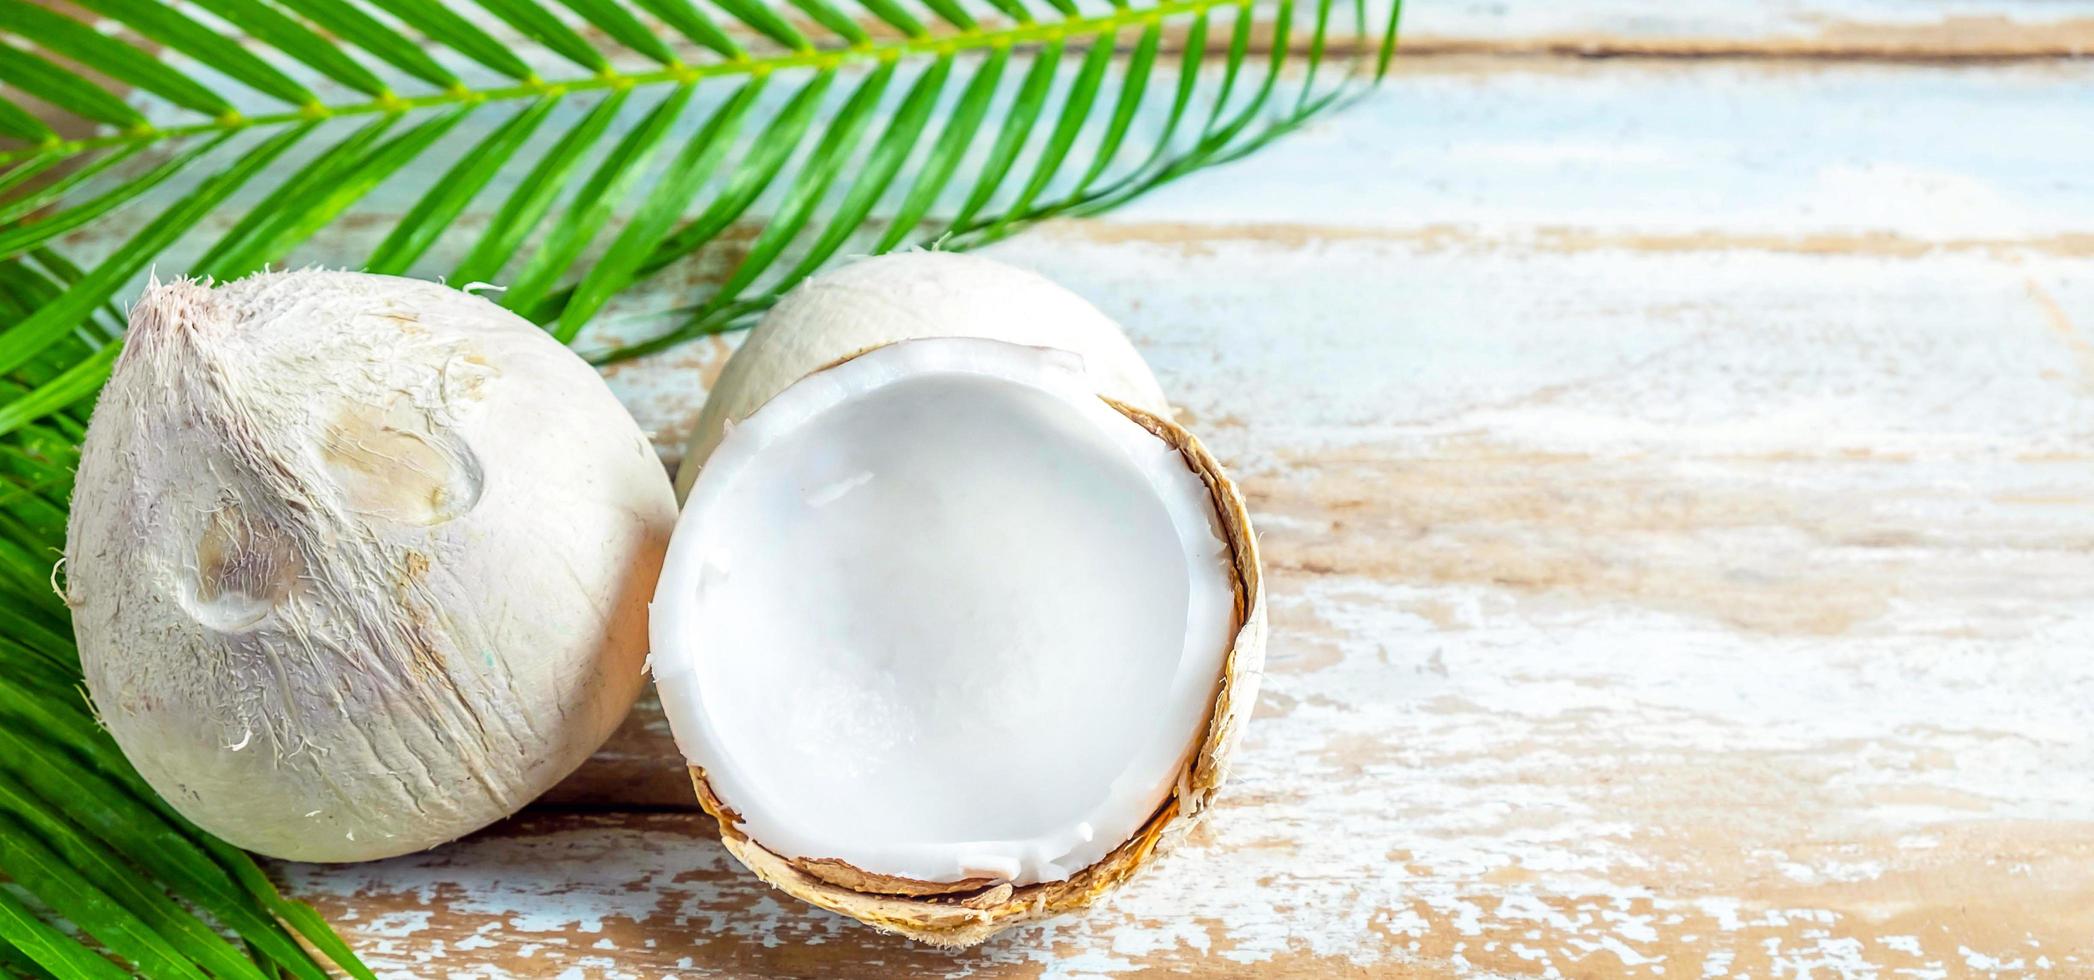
x: 963, y: 913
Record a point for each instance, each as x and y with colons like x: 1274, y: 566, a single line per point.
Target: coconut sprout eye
x: 243, y: 569
x: 939, y: 619
x: 391, y: 463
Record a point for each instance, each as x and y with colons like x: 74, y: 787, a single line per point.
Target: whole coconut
x: 358, y: 564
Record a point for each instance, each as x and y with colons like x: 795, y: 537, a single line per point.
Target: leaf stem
x: 1005, y: 37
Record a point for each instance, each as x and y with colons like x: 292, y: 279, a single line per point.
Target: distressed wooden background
x: 1671, y: 428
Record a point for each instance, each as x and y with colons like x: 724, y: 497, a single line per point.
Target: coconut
x: 952, y: 641
x: 908, y: 296
x: 357, y: 564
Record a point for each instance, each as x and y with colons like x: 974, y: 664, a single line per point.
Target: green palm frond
x: 567, y: 149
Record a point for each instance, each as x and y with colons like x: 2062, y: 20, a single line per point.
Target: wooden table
x: 1671, y: 428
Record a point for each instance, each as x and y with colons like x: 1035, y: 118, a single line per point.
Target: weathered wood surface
x: 1674, y: 473
x: 1914, y: 30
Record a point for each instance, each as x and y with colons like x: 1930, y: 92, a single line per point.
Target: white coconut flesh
x: 941, y: 613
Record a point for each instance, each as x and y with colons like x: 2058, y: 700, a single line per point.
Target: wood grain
x: 1886, y: 30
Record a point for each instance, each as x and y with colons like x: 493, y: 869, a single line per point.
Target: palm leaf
x: 567, y: 148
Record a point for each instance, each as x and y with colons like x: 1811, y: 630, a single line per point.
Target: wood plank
x: 1814, y: 29
x: 1659, y: 156
x: 643, y: 895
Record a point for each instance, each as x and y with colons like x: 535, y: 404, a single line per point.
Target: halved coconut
x: 910, y: 296
x: 952, y: 642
